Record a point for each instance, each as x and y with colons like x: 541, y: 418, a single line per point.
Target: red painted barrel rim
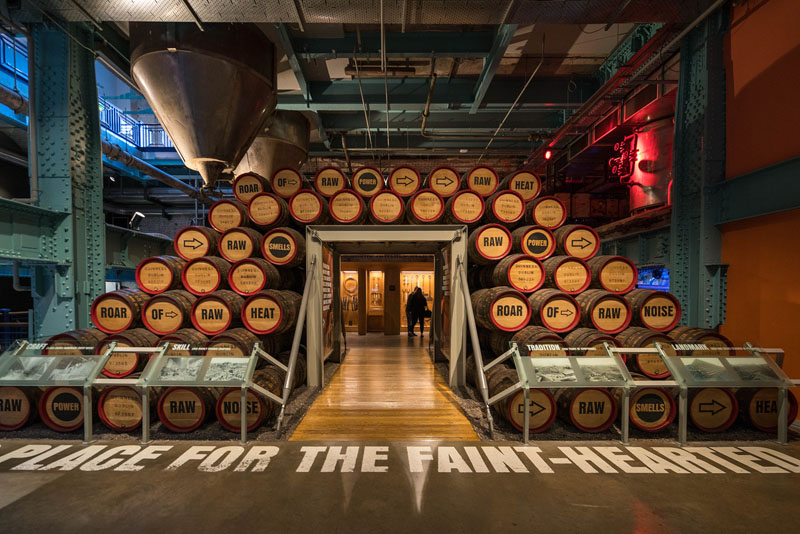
x: 262, y: 179
x: 528, y: 171
x: 793, y: 409
x: 496, y: 179
x: 240, y: 263
x: 103, y: 345
x: 662, y: 425
x: 674, y: 301
x: 277, y: 198
x: 527, y: 258
x: 441, y: 205
x: 360, y: 205
x: 457, y: 179
x: 288, y: 235
x: 386, y: 192
x: 319, y: 200
x: 328, y: 168
x: 628, y: 317
x: 156, y: 259
x: 419, y: 180
x: 46, y: 418
x: 93, y: 315
x: 604, y: 426
x: 588, y: 276
x: 31, y: 408
x: 453, y: 201
x: 299, y: 181
x: 167, y: 423
x: 515, y: 294
x: 596, y: 248
x: 218, y: 411
x: 101, y: 413
x: 226, y: 201
x: 573, y: 324
x: 536, y: 202
x: 632, y: 285
x: 547, y: 424
x: 494, y: 205
x: 155, y: 300
x: 247, y: 324
x: 203, y: 330
x: 727, y: 424
x: 187, y: 287
x: 507, y: 249
x: 200, y: 229
x: 550, y: 250
x: 377, y: 189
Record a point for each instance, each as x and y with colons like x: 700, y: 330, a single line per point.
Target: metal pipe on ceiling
x: 194, y: 15
x: 86, y: 14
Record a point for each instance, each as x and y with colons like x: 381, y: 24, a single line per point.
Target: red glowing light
x: 548, y: 154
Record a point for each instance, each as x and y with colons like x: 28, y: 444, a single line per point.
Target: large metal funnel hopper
x: 282, y: 143
x: 211, y: 90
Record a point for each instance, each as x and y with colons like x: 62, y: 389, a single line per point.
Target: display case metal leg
x: 490, y: 420
x: 145, y: 415
x: 526, y: 427
x: 683, y: 415
x: 243, y: 415
x: 783, y: 414
x: 626, y: 419
x: 87, y: 414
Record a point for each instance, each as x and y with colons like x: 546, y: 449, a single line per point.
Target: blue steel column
x: 698, y: 278
x: 70, y: 177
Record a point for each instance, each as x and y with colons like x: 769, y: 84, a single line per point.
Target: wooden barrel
x: 300, y: 370
x: 760, y: 406
x: 505, y: 207
x: 226, y: 214
x: 465, y: 207
x: 168, y: 312
x: 214, y: 313
x: 605, y: 311
x: 329, y: 180
x: 519, y: 271
x: 616, y: 274
x: 228, y: 410
x: 268, y: 210
x: 308, y: 207
x: 159, y: 273
x: 122, y: 364
x: 488, y: 243
x: 249, y: 276
x: 577, y: 240
x: 233, y: 342
x: 183, y: 409
x: 656, y: 310
x: 247, y: 185
x: 347, y: 208
x: 425, y: 207
x: 184, y: 342
x: 271, y: 311
x: 549, y: 212
x: 590, y: 338
x: 482, y: 179
x: 501, y: 308
x: 566, y: 273
x: 555, y: 310
x: 196, y: 241
x: 688, y: 335
x: 712, y: 409
x: 589, y: 409
x: 61, y: 408
x: 542, y: 406
x: 386, y: 207
x: 17, y: 407
x: 651, y: 409
x: 270, y: 378
x: 205, y: 275
x: 239, y: 243
x: 472, y: 370
x: 284, y: 247
x: 367, y: 181
x: 118, y: 310
x: 74, y: 342
x: 444, y: 180
x: 524, y: 182
x: 536, y: 241
x: 404, y: 180
x: 120, y: 408
x: 286, y: 182
x: 546, y: 342
x: 650, y: 365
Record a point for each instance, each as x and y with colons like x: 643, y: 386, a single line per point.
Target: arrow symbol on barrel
x: 444, y: 181
x: 192, y: 243
x: 171, y: 314
x: 567, y: 312
x: 581, y: 243
x: 404, y: 180
x: 291, y: 181
x: 535, y: 408
x: 711, y: 407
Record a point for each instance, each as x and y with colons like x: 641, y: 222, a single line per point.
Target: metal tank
x: 652, y: 176
x: 212, y: 90
x: 282, y: 143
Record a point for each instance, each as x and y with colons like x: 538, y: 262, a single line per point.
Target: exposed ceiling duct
x: 212, y: 90
x: 282, y: 143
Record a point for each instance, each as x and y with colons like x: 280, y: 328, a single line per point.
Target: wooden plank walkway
x: 386, y: 389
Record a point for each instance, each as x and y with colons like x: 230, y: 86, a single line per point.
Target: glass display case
x: 375, y: 293
x: 408, y: 281
x: 349, y: 295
